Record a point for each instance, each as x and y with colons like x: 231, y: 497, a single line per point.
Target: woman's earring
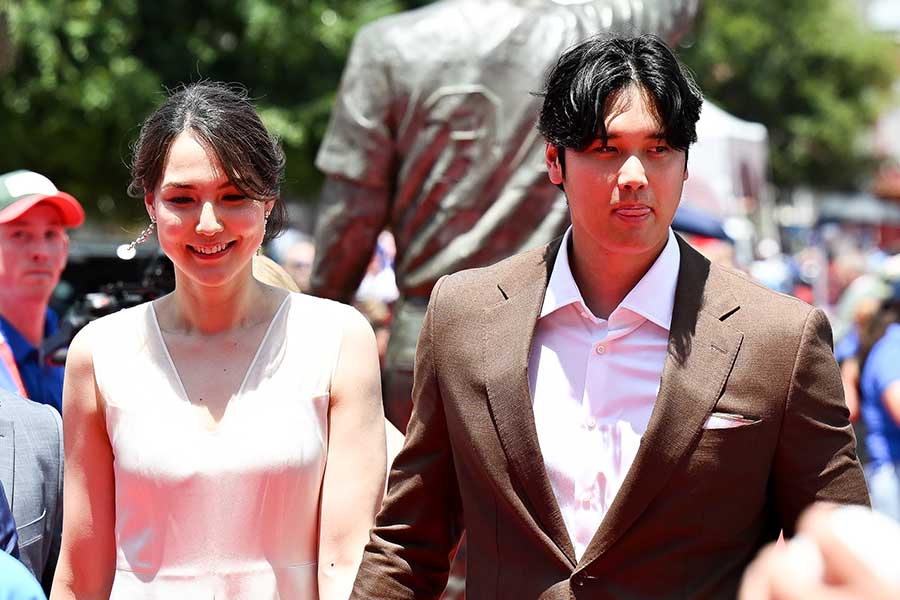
x: 265, y: 228
x: 142, y: 237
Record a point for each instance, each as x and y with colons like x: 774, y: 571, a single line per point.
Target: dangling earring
x: 142, y: 237
x: 265, y: 228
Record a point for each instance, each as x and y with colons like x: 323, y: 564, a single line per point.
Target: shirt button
x: 600, y: 349
x: 590, y: 422
x: 586, y: 497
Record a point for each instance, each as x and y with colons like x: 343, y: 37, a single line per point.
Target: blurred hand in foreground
x: 839, y: 553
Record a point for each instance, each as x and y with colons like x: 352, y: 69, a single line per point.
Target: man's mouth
x: 633, y: 212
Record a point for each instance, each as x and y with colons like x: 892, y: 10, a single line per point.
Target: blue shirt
x: 848, y: 347
x: 6, y: 379
x: 882, y: 368
x: 43, y: 383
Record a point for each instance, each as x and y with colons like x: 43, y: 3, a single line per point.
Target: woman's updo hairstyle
x: 224, y: 120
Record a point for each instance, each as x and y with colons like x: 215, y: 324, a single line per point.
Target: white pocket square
x: 727, y: 421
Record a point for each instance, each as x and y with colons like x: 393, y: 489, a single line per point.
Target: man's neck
x: 27, y: 317
x: 604, y: 279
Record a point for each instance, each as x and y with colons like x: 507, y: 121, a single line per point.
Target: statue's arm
x: 351, y: 216
x: 358, y: 157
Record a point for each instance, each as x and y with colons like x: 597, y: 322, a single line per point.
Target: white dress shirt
x: 594, y: 383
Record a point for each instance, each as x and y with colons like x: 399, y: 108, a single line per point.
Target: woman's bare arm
x: 353, y: 485
x: 87, y: 558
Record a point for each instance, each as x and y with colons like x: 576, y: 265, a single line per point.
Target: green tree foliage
x: 79, y: 76
x: 809, y: 70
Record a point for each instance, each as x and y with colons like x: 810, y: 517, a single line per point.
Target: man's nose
x: 632, y: 176
x: 40, y: 250
x: 208, y: 224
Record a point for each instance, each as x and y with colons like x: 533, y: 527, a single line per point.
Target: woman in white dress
x: 226, y: 440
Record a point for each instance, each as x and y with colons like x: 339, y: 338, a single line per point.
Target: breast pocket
x: 730, y: 444
x: 31, y: 531
x: 733, y: 463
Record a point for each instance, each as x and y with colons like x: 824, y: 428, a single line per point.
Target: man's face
x: 298, y: 263
x: 623, y: 195
x: 33, y: 252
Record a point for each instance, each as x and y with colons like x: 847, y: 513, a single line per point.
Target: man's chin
x: 35, y: 291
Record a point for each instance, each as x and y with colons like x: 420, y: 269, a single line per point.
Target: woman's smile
x: 211, y: 251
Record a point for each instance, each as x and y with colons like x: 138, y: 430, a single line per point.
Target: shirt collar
x: 21, y: 348
x: 561, y: 289
x: 652, y: 298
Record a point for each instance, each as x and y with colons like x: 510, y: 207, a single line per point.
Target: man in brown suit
x: 611, y: 416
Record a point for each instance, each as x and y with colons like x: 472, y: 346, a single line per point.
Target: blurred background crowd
x: 795, y: 178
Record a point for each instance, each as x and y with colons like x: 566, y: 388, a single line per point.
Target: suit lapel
x: 701, y: 353
x: 508, y: 331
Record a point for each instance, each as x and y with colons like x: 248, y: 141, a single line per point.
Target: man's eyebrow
x: 653, y: 135
x: 27, y: 222
x: 189, y: 186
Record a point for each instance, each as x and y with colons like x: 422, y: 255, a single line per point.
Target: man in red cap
x: 34, y: 246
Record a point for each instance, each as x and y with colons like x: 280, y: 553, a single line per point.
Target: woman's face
x: 206, y: 226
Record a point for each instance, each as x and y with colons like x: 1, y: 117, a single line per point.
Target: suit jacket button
x: 578, y: 580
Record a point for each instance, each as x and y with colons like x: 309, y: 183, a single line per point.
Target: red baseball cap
x: 21, y: 190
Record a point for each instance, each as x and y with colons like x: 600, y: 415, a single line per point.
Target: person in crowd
x: 593, y: 412
x: 271, y: 273
x: 380, y: 282
x: 16, y: 582
x: 840, y: 553
x: 31, y: 472
x: 34, y: 246
x: 298, y: 261
x: 879, y: 384
x: 846, y: 351
x: 432, y: 137
x: 9, y: 538
x: 225, y: 440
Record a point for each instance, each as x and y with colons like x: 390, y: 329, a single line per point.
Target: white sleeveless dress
x: 228, y: 513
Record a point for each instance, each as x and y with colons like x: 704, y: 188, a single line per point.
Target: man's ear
x: 685, y: 174
x: 554, y: 166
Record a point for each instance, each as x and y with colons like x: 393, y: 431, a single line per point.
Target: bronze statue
x: 432, y: 136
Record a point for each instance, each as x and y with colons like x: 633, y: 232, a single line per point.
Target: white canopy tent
x: 728, y: 166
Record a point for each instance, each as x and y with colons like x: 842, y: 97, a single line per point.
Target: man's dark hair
x: 587, y: 77
x: 223, y: 119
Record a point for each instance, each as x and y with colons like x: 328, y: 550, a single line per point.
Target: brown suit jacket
x: 696, y: 504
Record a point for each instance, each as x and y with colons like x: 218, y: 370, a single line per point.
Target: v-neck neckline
x: 240, y: 390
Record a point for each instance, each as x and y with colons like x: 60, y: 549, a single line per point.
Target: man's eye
x: 605, y: 149
x: 179, y: 199
x: 234, y: 198
x: 19, y: 235
x: 660, y: 149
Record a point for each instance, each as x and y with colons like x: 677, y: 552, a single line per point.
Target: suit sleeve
x: 420, y: 521
x: 816, y: 454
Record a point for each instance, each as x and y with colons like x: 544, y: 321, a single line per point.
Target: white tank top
x: 227, y: 513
